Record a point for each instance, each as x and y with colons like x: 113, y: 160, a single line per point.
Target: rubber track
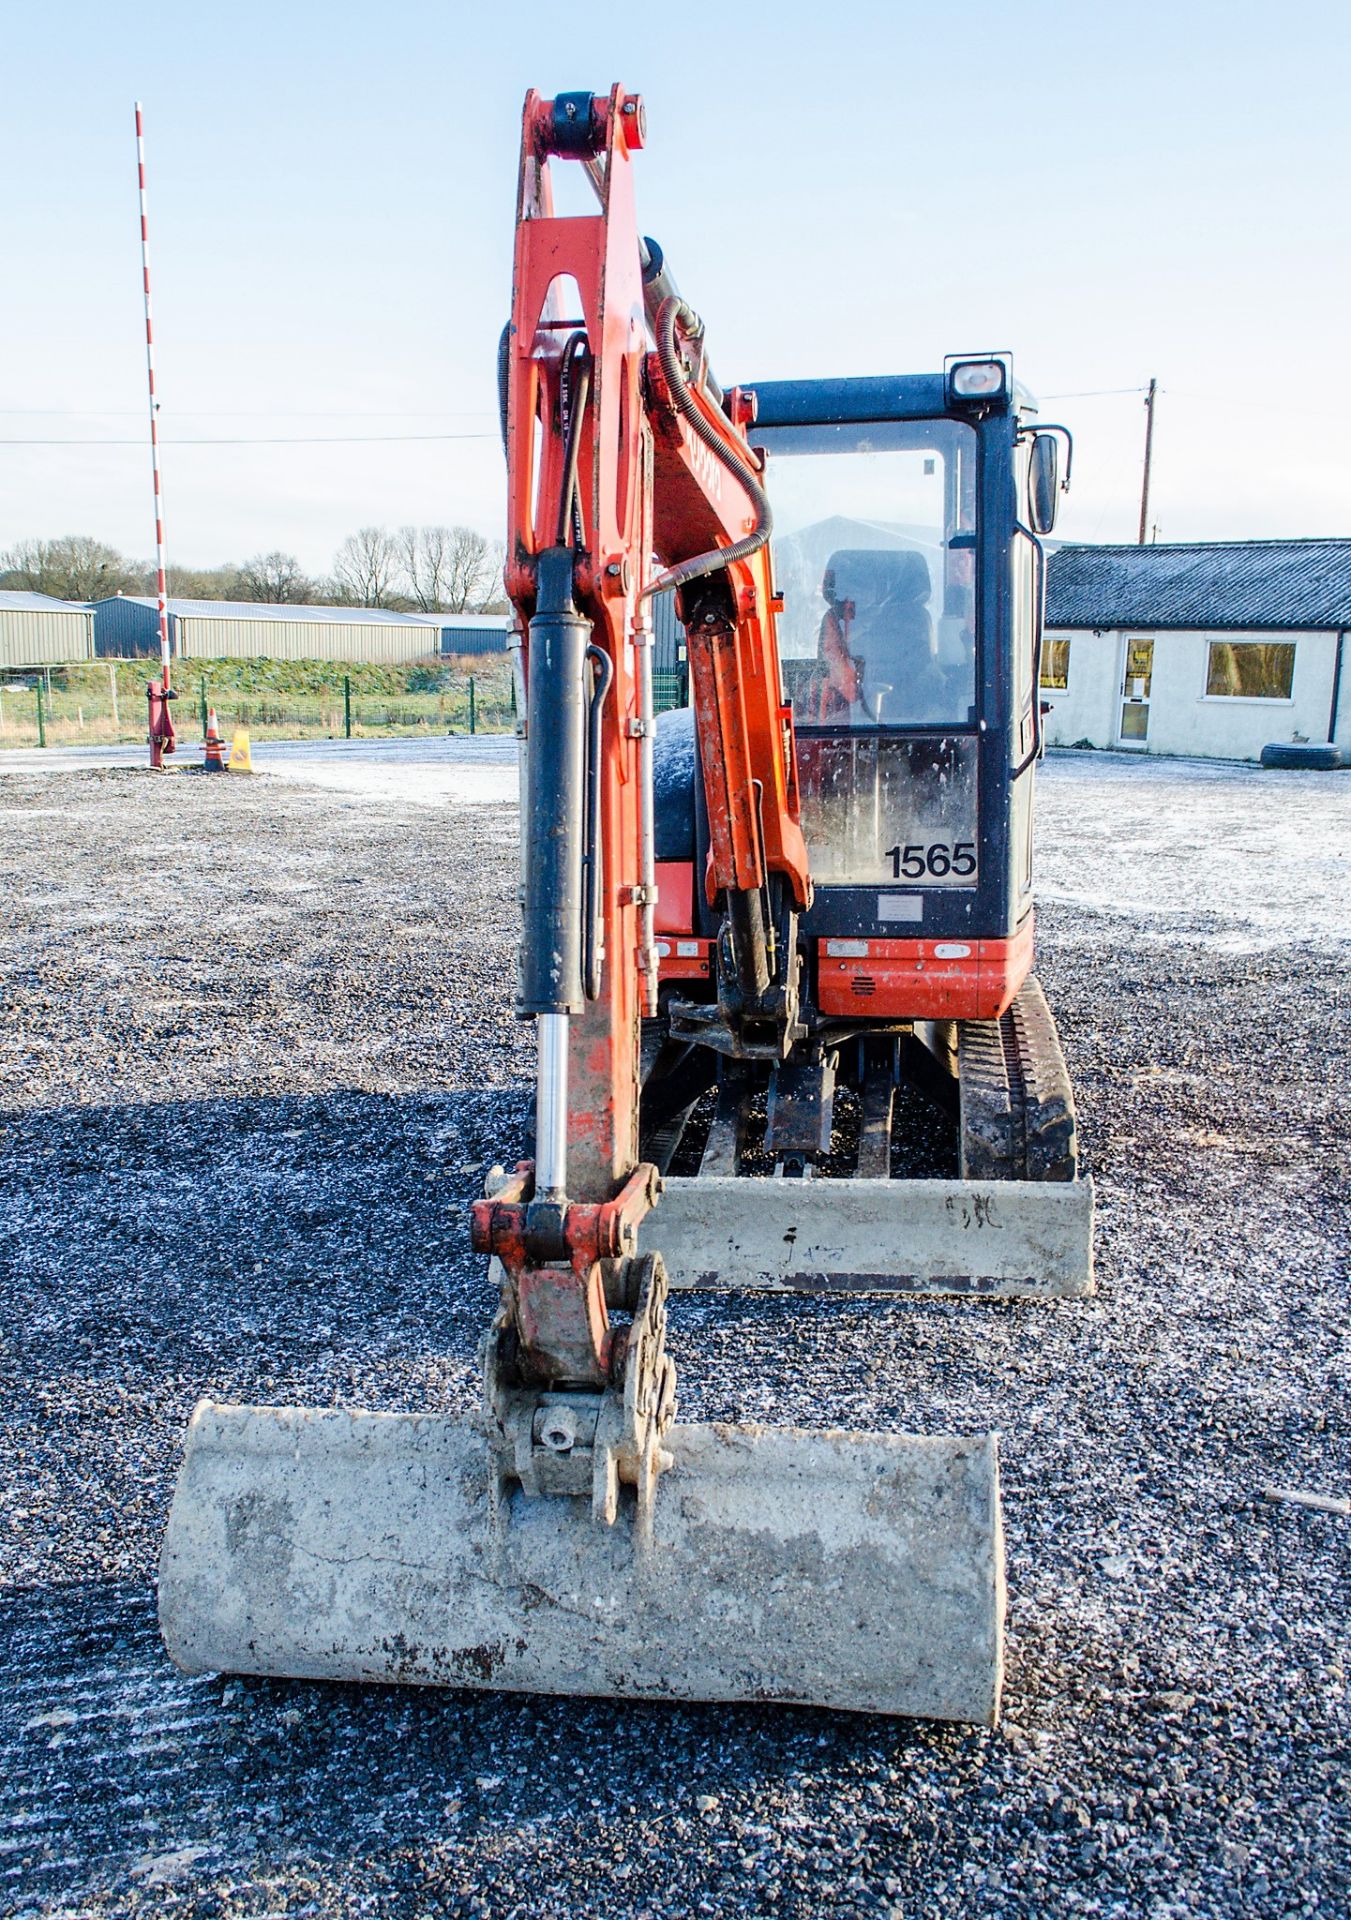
x: 1017, y: 1106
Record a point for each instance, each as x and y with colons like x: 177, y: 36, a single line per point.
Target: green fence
x: 102, y: 702
x: 669, y: 690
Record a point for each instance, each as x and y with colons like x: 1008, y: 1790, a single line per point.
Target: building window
x: 1251, y: 669
x: 1055, y: 665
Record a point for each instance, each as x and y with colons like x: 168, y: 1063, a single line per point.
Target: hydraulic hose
x: 503, y: 384
x: 593, y: 936
x: 672, y: 312
x: 575, y: 391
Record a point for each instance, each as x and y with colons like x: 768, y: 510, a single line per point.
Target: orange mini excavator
x: 777, y: 952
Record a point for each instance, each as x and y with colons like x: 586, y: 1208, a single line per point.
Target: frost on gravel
x: 1227, y: 856
x: 257, y: 1050
x: 465, y: 772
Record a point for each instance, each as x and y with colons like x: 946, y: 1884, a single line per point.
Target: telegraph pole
x: 1149, y: 454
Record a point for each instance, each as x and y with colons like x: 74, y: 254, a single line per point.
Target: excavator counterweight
x: 777, y: 953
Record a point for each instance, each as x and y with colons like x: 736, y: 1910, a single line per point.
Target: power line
x: 1093, y: 393
x: 296, y: 440
x: 255, y: 413
x: 356, y: 413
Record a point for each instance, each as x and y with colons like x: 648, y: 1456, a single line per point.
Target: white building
x: 1213, y: 649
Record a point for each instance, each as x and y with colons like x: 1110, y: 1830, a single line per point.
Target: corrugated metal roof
x: 265, y: 610
x: 40, y: 603
x: 1220, y: 584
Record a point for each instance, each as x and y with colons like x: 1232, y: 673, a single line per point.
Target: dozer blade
x: 1003, y: 1239
x: 862, y: 1572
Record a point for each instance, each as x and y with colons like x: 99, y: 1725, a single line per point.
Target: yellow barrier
x: 241, y: 760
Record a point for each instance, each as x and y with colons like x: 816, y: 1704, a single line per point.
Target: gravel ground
x: 256, y: 1051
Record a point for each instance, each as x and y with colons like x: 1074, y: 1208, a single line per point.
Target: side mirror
x: 1044, y: 482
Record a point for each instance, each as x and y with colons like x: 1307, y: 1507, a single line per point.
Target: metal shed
x: 473, y: 633
x: 668, y: 636
x: 38, y: 631
x: 125, y: 628
x: 128, y: 626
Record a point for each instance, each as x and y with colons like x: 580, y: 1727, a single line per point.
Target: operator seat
x: 877, y: 639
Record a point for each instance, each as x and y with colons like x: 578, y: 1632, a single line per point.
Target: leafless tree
x: 73, y: 567
x: 449, y: 569
x: 436, y: 569
x: 422, y: 555
x: 366, y: 568
x: 200, y: 583
x: 276, y: 577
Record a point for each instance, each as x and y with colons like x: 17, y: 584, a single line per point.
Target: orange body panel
x: 681, y: 955
x: 948, y: 979
x: 675, y: 896
x: 684, y: 957
x: 922, y: 979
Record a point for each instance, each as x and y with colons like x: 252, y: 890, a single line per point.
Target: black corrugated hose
x: 672, y: 312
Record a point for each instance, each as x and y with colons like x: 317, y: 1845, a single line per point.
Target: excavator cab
x: 911, y: 579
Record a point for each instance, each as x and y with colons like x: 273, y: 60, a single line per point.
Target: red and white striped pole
x: 161, y: 725
x: 154, y: 403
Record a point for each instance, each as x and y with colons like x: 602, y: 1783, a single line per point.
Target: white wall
x: 1087, y: 709
x: 1183, y: 719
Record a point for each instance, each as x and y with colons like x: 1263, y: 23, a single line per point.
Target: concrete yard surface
x: 478, y: 769
x: 257, y: 1052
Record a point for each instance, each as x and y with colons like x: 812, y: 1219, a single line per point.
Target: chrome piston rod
x: 553, y: 828
x: 551, y: 1106
x: 647, y: 893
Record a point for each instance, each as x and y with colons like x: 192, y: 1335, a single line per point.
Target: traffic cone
x: 215, y: 746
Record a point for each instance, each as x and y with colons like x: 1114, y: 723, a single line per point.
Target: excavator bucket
x: 854, y: 1571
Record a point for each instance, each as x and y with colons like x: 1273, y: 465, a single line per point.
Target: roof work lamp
x: 977, y: 380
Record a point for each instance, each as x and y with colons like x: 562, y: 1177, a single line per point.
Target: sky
x: 1111, y: 191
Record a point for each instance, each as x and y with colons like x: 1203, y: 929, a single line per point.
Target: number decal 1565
x: 937, y: 859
